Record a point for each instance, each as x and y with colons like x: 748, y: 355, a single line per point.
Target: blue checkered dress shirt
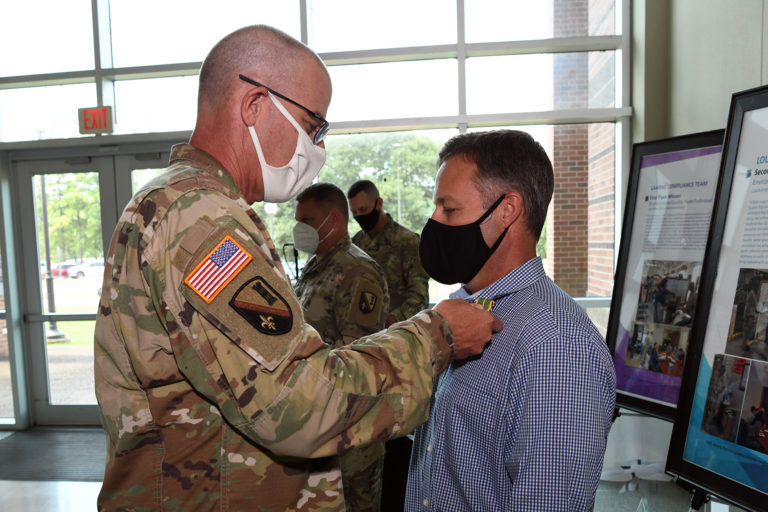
x: 524, y: 426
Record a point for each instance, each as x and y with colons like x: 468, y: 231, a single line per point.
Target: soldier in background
x: 344, y: 296
x: 213, y: 391
x: 395, y: 249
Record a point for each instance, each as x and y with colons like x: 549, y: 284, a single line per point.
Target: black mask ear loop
x: 485, y: 216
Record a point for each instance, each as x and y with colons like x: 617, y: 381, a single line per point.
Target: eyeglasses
x: 324, y: 127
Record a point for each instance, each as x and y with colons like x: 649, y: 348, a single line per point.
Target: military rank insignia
x: 218, y: 268
x: 367, y: 302
x: 262, y: 307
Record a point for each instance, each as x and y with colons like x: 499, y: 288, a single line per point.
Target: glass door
x: 67, y: 210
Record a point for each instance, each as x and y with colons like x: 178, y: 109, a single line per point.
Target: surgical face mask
x: 455, y: 254
x: 284, y: 183
x: 367, y: 221
x: 306, y: 238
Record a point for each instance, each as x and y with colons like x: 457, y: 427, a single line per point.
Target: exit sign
x: 95, y: 120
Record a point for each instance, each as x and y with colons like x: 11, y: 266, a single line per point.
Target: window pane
x: 530, y: 83
x: 380, y: 157
x: 394, y: 90
x: 6, y: 390
x: 69, y: 238
x: 140, y: 177
x: 346, y: 25
x: 519, y: 20
x: 70, y: 361
x: 45, y: 36
x: 156, y: 105
x: 43, y: 112
x: 146, y: 32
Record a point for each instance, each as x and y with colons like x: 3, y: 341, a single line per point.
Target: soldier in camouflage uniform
x: 344, y: 296
x: 395, y: 249
x: 213, y: 391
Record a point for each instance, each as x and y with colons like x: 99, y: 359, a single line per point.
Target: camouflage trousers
x: 361, y: 473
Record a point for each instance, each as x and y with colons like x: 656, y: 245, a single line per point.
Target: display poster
x: 726, y: 394
x: 728, y: 415
x: 659, y: 279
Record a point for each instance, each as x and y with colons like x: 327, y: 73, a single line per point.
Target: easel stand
x: 698, y: 496
x: 698, y: 499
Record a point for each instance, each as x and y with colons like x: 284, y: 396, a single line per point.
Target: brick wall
x: 580, y: 221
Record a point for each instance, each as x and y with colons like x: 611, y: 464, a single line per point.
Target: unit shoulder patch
x: 367, y: 302
x: 262, y: 307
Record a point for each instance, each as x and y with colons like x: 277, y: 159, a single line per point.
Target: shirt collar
x: 205, y: 161
x: 519, y: 278
x: 314, y: 262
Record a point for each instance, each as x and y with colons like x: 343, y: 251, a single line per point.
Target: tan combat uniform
x: 213, y: 392
x: 396, y: 250
x: 344, y: 296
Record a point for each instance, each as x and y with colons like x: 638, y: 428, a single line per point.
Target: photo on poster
x: 725, y: 397
x: 749, y: 316
x: 753, y: 426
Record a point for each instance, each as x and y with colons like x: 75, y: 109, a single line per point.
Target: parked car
x: 62, y: 269
x: 87, y: 269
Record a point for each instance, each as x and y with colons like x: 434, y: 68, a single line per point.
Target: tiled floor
x: 81, y: 497
x: 659, y: 496
x: 19, y: 496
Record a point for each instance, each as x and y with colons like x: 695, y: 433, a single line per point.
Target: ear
x: 511, y: 208
x: 252, y: 104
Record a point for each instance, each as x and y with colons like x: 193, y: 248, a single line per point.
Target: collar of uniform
x: 205, y: 161
x: 314, y: 264
x: 519, y: 278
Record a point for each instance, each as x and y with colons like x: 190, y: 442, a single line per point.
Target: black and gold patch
x: 262, y: 307
x: 367, y: 302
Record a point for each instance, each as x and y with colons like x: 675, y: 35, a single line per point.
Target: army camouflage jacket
x: 213, y: 391
x: 396, y: 250
x: 343, y: 294
x: 344, y: 297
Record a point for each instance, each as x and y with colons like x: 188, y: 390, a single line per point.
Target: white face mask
x: 284, y: 183
x: 306, y: 238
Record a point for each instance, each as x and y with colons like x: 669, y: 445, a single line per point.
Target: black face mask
x: 455, y: 254
x: 368, y: 220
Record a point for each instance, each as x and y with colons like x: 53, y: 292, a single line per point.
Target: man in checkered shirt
x: 524, y: 425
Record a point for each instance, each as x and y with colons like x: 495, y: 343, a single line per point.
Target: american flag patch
x: 221, y: 265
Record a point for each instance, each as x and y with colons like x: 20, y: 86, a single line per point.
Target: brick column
x: 580, y: 217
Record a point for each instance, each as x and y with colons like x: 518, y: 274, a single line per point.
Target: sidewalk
x: 70, y: 370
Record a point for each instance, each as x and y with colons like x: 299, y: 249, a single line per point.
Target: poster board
x: 670, y: 197
x: 720, y: 438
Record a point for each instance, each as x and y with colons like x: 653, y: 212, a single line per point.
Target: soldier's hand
x: 471, y: 325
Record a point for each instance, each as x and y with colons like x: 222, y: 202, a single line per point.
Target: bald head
x: 232, y: 112
x: 263, y: 53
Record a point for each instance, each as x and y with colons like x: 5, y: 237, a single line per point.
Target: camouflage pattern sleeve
x: 241, y: 341
x: 415, y: 279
